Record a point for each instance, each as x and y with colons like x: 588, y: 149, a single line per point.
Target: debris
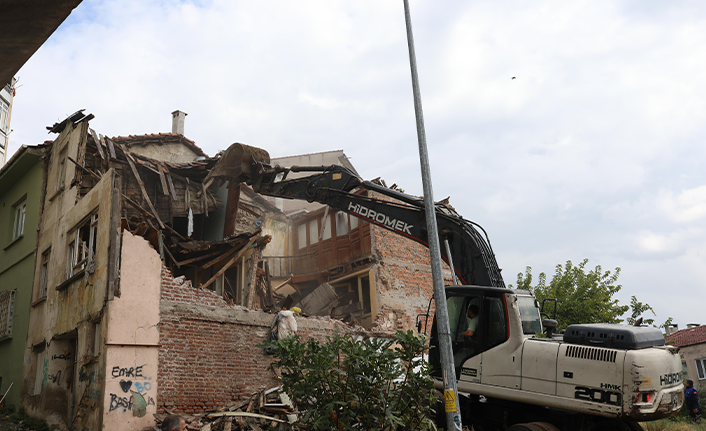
x: 267, y: 409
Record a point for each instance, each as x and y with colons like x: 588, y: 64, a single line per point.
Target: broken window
x: 44, y: 274
x: 41, y: 373
x: 81, y: 247
x: 7, y: 311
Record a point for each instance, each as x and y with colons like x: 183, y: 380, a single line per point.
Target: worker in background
x: 691, y: 399
x: 286, y: 323
x: 173, y: 423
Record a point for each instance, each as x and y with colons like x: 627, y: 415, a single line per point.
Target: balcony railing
x: 285, y: 266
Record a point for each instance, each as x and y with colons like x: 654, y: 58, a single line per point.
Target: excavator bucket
x: 236, y: 162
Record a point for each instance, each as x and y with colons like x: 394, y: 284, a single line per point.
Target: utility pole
x: 453, y: 416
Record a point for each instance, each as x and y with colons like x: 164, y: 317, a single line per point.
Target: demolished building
x: 156, y: 283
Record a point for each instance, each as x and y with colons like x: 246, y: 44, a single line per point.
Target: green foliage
x: 637, y: 309
x: 346, y: 384
x: 584, y: 296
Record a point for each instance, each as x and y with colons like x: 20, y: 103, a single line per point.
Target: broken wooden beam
x: 141, y: 184
x: 98, y: 143
x: 231, y: 262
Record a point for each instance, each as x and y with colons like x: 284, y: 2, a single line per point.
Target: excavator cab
x: 478, y: 321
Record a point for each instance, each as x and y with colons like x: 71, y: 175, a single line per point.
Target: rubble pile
x: 265, y: 410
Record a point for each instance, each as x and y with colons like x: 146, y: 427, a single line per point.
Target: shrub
x: 347, y: 384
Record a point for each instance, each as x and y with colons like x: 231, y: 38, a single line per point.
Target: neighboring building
x: 20, y: 194
x: 7, y: 94
x: 324, y: 158
x: 692, y: 348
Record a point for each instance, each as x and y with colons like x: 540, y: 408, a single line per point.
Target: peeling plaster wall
x: 63, y: 383
x: 132, y: 339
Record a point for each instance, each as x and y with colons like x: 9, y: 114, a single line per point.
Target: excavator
x: 513, y: 372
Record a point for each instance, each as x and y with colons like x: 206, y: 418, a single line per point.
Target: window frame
x: 19, y: 211
x: 702, y: 375
x: 44, y: 274
x: 75, y: 266
x: 6, y: 320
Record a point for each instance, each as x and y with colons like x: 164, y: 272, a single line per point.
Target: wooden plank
x: 245, y: 414
x: 171, y: 184
x: 268, y: 284
x: 196, y: 259
x: 165, y: 189
x: 111, y: 147
x: 231, y: 262
x: 346, y: 309
x: 218, y: 259
x: 204, y: 199
x: 141, y: 184
x: 320, y: 301
x: 81, y: 152
x: 98, y: 143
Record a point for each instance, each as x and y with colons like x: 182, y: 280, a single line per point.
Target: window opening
x: 301, y: 234
x: 327, y: 229
x: 81, y: 247
x: 341, y: 223
x: 61, y: 170
x: 44, y: 274
x: 313, y: 232
x: 354, y: 222
x: 41, y: 373
x: 365, y: 290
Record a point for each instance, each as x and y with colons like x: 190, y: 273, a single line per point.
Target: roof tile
x: 687, y: 337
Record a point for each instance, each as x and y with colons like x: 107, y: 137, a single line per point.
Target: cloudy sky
x: 596, y: 149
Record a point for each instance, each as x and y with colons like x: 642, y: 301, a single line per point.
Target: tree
x: 346, y: 384
x: 582, y: 296
x: 637, y: 308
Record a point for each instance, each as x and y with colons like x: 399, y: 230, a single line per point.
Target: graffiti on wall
x: 92, y: 377
x: 134, y: 391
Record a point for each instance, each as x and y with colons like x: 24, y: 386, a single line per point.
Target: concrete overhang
x: 24, y: 26
x: 18, y: 165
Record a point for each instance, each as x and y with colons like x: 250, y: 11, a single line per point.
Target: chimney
x: 671, y: 329
x: 692, y: 325
x: 178, y: 122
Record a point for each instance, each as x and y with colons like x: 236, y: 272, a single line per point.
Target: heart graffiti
x: 125, y: 385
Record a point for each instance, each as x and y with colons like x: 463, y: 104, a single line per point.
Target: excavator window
x: 529, y: 312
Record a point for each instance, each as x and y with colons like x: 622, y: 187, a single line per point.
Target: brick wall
x: 208, y: 356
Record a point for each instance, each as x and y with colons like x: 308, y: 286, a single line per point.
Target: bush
x: 347, y: 384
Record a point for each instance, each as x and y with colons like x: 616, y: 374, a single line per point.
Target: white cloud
x: 687, y: 206
x: 595, y: 150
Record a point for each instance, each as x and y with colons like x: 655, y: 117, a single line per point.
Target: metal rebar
x: 453, y: 417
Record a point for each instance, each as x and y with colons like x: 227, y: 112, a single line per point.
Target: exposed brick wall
x: 180, y: 290
x: 208, y: 356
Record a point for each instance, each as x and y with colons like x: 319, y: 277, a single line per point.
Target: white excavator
x: 513, y: 371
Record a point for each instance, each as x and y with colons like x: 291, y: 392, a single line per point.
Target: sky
x: 595, y: 150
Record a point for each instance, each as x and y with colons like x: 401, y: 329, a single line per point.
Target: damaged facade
x: 153, y: 283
